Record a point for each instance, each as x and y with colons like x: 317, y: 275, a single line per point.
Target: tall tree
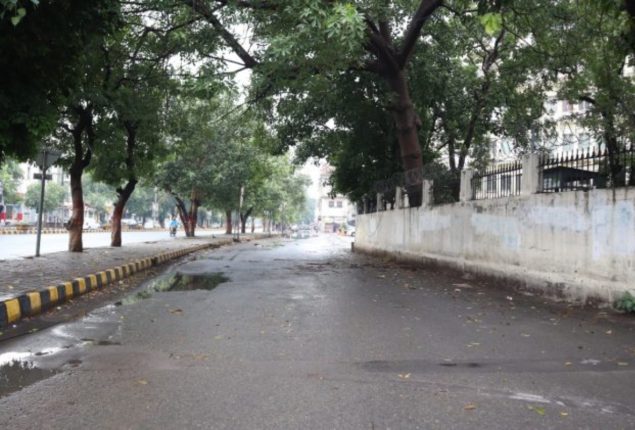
x: 42, y: 44
x: 329, y: 37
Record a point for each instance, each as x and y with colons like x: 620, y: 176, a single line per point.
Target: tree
x: 596, y: 37
x: 197, y: 144
x: 98, y: 196
x: 328, y: 38
x: 10, y: 175
x: 53, y: 197
x: 41, y: 49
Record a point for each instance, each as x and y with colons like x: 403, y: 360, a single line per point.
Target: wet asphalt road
x: 306, y: 335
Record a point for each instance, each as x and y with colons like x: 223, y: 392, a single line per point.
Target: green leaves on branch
x: 492, y: 22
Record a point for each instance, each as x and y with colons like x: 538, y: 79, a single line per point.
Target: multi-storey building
x: 333, y: 212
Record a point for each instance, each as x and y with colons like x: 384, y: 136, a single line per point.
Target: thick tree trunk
x: 120, y: 204
x: 407, y: 123
x: 228, y: 221
x: 193, y: 216
x: 180, y: 207
x: 80, y: 162
x: 76, y: 222
x: 244, y: 216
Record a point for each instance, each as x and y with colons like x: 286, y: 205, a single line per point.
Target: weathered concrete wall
x: 580, y: 245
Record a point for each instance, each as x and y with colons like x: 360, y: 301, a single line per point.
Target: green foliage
x: 41, y: 62
x: 98, y: 195
x: 54, y: 196
x: 626, y: 303
x: 10, y: 176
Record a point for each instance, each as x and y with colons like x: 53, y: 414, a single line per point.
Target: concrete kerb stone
x: 34, y: 303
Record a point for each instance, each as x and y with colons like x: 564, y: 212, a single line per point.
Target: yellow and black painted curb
x: 34, y: 231
x: 36, y: 302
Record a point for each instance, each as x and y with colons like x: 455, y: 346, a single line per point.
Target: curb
x: 34, y: 231
x: 36, y: 302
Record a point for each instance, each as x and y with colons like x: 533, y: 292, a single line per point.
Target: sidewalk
x: 31, y: 285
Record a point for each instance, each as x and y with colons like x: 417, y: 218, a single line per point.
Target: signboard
x: 48, y: 157
x: 39, y: 176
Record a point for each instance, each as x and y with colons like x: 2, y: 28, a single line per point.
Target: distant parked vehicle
x: 130, y: 222
x: 150, y: 224
x: 350, y: 230
x: 91, y: 224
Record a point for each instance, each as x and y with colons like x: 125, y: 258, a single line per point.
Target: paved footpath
x: 62, y: 275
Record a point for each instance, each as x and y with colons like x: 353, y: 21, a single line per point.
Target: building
x: 332, y: 211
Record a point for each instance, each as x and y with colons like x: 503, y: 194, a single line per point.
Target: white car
x: 91, y: 224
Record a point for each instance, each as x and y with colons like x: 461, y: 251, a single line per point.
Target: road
x: 23, y: 245
x: 305, y: 335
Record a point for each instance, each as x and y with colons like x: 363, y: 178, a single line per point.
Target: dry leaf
x: 404, y: 375
x: 176, y: 311
x: 469, y: 407
x: 537, y: 409
x: 622, y: 363
x: 142, y: 382
x: 564, y: 414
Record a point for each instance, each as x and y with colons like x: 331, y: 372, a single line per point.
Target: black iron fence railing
x: 498, y: 181
x: 586, y: 170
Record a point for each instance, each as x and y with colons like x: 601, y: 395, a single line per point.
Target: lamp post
x: 44, y: 160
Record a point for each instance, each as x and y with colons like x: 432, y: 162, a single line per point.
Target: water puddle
x: 19, y: 374
x: 177, y: 282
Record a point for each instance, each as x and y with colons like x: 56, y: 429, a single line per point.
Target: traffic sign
x: 39, y: 176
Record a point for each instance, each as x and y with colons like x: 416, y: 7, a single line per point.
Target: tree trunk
x: 180, y: 206
x: 120, y: 204
x: 81, y: 160
x: 193, y: 215
x: 407, y: 123
x: 243, y: 220
x: 228, y: 221
x: 253, y: 225
x: 76, y: 222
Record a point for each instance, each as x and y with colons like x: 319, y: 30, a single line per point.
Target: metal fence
x: 586, y: 170
x: 499, y: 181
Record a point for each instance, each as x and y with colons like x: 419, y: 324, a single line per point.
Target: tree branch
x: 229, y: 38
x: 425, y: 9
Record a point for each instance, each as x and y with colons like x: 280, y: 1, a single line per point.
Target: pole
x: 39, y: 215
x: 240, y: 208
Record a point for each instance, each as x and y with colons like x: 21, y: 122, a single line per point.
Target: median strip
x: 33, y: 303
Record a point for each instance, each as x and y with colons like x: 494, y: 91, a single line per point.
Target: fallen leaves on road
x: 622, y: 363
x: 564, y: 414
x: 176, y: 311
x: 404, y: 375
x: 142, y: 382
x: 469, y: 407
x: 537, y: 409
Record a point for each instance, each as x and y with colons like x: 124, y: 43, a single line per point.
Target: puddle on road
x: 177, y: 282
x: 17, y: 373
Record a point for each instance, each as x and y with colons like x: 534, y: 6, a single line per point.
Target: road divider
x: 34, y: 303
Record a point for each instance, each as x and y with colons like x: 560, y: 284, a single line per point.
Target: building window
x: 331, y: 203
x: 339, y: 203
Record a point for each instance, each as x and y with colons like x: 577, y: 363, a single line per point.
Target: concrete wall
x: 580, y: 245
